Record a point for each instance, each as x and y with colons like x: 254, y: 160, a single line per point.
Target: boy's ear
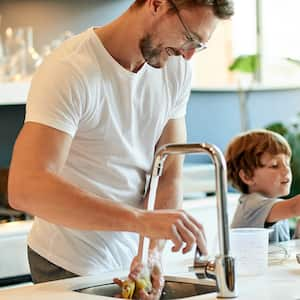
x: 246, y: 178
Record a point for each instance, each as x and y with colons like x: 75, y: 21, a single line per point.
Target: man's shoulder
x: 67, y: 66
x: 75, y: 53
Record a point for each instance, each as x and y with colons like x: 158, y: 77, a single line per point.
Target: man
x: 98, y: 108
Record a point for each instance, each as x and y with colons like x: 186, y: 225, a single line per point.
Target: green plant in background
x: 245, y: 65
x: 294, y: 61
x: 292, y: 134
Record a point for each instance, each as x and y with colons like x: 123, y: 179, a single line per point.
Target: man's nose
x: 187, y: 54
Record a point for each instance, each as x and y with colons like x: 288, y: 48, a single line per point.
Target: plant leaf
x: 278, y: 127
x: 292, y: 60
x: 245, y: 64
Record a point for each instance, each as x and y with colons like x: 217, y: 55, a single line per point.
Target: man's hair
x: 223, y: 9
x: 244, y: 152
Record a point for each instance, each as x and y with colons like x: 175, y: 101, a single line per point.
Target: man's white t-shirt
x: 116, y: 118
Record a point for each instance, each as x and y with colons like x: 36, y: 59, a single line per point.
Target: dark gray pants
x: 43, y: 270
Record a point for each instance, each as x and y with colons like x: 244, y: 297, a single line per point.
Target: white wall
x: 50, y: 18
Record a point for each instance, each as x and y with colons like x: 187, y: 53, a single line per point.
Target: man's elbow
x: 14, y: 200
x: 17, y: 193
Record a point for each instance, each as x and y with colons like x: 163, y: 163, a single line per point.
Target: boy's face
x: 274, y: 178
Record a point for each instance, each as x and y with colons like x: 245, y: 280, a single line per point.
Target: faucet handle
x: 202, y: 263
x: 199, y: 259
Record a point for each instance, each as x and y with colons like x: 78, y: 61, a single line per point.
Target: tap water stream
x: 152, y: 192
x: 150, y: 206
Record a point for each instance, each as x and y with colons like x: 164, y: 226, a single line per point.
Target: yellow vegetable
x: 128, y: 288
x: 144, y: 283
x: 131, y: 289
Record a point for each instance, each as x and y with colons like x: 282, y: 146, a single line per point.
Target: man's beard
x: 151, y: 54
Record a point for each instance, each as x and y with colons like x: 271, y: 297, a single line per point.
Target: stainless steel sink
x: 175, y: 288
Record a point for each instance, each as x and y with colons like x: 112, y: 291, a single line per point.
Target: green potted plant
x: 292, y: 133
x: 246, y: 66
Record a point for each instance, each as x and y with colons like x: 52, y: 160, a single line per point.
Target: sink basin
x: 175, y: 288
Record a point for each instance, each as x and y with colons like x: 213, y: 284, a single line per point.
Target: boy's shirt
x: 253, y: 210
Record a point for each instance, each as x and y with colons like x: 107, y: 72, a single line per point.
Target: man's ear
x: 246, y: 178
x: 155, y: 5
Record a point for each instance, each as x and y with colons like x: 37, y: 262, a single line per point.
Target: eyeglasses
x: 192, y: 42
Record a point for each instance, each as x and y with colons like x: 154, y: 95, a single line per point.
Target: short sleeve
x: 56, y: 97
x: 252, y: 211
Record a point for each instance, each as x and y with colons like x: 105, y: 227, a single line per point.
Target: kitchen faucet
x: 222, y: 269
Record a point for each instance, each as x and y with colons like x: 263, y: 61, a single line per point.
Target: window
x: 278, y: 40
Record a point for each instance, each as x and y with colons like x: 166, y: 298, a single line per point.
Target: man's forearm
x: 48, y: 196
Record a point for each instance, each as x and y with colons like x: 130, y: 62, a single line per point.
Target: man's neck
x: 121, y: 39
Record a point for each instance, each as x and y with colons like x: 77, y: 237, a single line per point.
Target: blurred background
x: 249, y: 77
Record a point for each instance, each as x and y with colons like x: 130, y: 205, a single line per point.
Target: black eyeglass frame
x: 192, y: 43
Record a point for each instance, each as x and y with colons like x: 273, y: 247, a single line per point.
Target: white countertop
x: 282, y: 281
x: 13, y: 229
x: 13, y: 245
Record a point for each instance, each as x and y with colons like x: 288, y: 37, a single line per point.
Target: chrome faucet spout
x: 222, y: 269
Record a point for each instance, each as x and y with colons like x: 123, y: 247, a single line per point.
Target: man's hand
x: 151, y: 274
x: 144, y: 282
x: 175, y: 225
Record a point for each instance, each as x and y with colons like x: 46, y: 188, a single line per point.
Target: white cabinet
x: 12, y: 93
x: 13, y: 245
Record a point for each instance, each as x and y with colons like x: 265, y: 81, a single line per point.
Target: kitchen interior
x: 222, y: 104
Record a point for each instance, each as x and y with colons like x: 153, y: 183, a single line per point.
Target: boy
x: 258, y: 163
